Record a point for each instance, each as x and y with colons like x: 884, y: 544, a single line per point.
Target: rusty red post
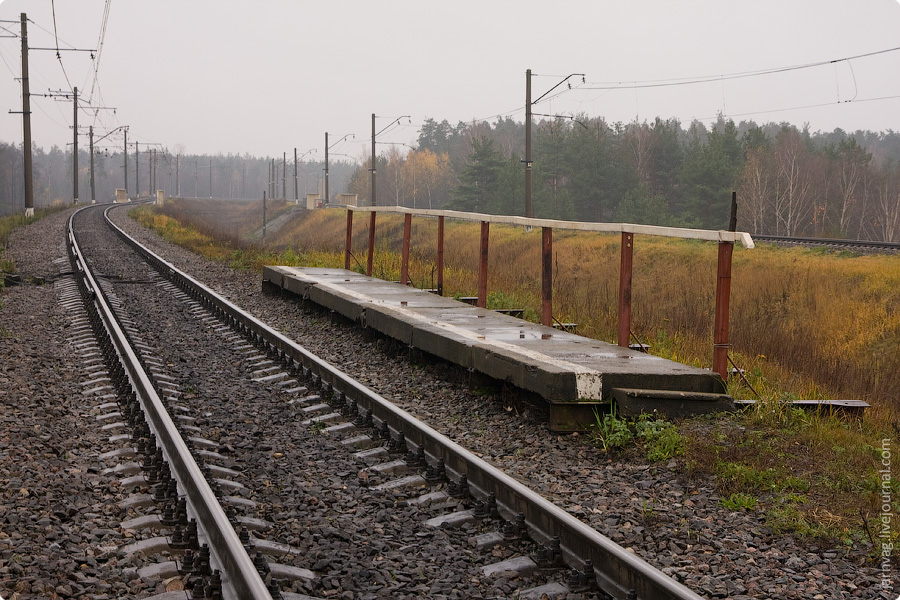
x: 349, y: 241
x: 483, y: 265
x: 404, y: 255
x: 624, y: 332
x: 440, y: 257
x: 547, y: 276
x: 723, y: 301
x: 371, y: 256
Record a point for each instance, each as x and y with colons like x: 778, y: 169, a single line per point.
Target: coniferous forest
x: 788, y: 180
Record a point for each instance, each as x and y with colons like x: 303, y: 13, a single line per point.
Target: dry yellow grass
x: 825, y: 324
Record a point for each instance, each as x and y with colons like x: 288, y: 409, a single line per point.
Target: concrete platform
x: 571, y: 372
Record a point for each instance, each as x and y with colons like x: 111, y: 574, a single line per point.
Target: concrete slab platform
x: 561, y: 367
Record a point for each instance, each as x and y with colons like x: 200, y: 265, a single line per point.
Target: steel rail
x: 828, y: 242
x: 240, y: 578
x: 618, y: 572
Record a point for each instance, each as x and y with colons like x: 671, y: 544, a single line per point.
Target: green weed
x: 739, y: 501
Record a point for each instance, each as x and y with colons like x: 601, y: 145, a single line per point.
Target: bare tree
x: 888, y: 199
x: 755, y: 190
x: 793, y: 197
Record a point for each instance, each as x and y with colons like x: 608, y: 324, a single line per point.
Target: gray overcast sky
x: 266, y: 76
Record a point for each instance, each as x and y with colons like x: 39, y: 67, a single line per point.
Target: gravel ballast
x: 58, y: 514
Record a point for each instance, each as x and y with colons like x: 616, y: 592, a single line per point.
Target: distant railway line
x: 836, y: 244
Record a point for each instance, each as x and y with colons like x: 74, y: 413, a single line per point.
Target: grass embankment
x: 804, y: 324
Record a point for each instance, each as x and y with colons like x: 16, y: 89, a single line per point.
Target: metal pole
x: 626, y: 253
x: 264, y: 214
x: 125, y: 154
x: 371, y: 257
x: 26, y: 122
x: 440, y: 257
x: 528, y: 208
x: 210, y: 182
x: 177, y: 180
x: 349, y: 241
x: 723, y: 298
x: 404, y: 254
x: 296, y: 190
x: 326, y: 167
x: 374, y: 203
x: 137, y: 173
x: 75, y: 148
x: 483, y: 265
x: 93, y: 189
x: 547, y: 276
x: 284, y: 175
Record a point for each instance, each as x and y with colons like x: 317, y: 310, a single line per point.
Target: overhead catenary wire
x: 685, y: 81
x: 56, y: 37
x: 101, y: 39
x: 725, y: 76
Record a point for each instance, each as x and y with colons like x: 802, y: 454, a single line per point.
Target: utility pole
x: 296, y: 190
x: 93, y: 189
x: 177, y: 181
x: 137, y: 172
x: 75, y: 149
x: 26, y: 121
x: 125, y: 154
x: 326, y: 167
x: 374, y: 203
x: 264, y: 209
x: 284, y: 176
x: 528, y: 210
x: 210, y: 178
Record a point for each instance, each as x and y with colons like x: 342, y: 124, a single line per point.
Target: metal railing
x: 725, y: 239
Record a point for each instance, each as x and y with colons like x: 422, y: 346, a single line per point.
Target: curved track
x: 596, y: 565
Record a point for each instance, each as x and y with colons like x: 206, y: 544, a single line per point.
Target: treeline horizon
x: 789, y: 181
x: 221, y: 176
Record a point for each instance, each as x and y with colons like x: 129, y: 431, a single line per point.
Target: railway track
x: 207, y: 514
x: 836, y: 244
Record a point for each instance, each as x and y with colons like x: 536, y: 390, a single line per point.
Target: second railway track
x: 247, y: 408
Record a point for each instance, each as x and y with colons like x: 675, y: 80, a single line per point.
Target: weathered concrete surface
x: 561, y: 367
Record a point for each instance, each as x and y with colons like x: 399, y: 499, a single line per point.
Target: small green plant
x: 738, y: 501
x: 611, y: 432
x: 648, y: 513
x: 316, y: 427
x: 661, y: 438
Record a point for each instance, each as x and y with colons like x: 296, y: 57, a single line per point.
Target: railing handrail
x: 711, y: 235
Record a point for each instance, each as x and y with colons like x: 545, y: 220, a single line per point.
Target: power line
x: 56, y: 36
x: 2, y: 57
x: 100, y: 41
x: 806, y: 106
x: 726, y: 76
